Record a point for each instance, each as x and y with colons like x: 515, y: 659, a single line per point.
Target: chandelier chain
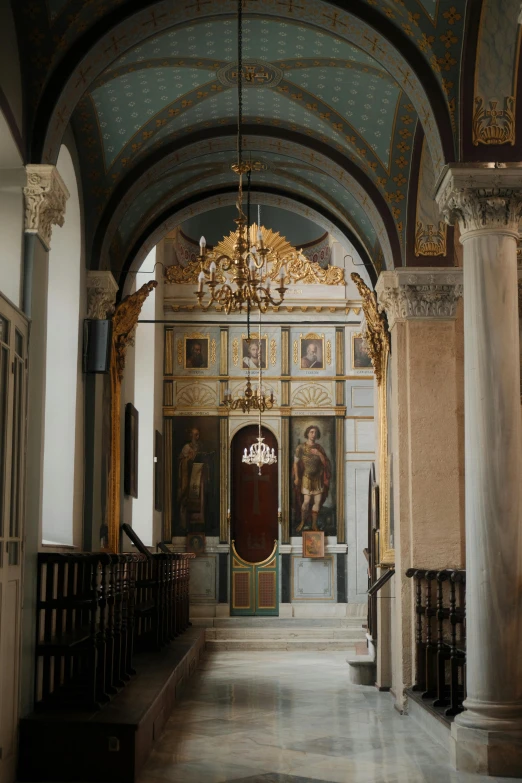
x: 240, y: 84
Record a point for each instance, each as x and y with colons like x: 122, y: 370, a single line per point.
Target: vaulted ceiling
x: 338, y: 99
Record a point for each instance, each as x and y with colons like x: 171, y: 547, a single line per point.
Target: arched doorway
x: 254, y: 528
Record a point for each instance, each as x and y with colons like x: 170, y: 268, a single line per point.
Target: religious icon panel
x: 254, y: 353
x: 196, y: 353
x: 312, y: 352
x: 195, y: 491
x: 360, y: 356
x: 312, y: 475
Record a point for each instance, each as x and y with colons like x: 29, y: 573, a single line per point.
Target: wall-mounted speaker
x: 96, y: 345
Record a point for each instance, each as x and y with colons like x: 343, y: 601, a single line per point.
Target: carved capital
x: 45, y: 198
x: 485, y: 199
x: 419, y: 293
x: 101, y: 294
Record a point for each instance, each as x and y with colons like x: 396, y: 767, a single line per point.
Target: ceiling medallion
x: 256, y: 73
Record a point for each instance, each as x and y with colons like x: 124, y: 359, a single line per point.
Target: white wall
x: 144, y: 361
x: 62, y: 370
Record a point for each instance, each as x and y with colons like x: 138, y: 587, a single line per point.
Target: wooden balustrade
x: 440, y: 637
x: 95, y: 610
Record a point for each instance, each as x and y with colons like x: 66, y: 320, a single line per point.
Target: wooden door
x: 13, y: 352
x: 254, y: 528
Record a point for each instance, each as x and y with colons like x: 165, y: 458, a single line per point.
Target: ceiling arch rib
x: 260, y: 141
x: 372, y: 33
x: 319, y: 188
x: 191, y: 207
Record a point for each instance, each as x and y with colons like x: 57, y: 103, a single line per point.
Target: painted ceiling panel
x: 125, y: 103
x: 368, y: 102
x: 259, y: 104
x: 263, y: 39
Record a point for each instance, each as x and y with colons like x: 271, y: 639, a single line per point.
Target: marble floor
x: 253, y: 717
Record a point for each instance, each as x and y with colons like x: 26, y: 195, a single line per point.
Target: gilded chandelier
x: 245, y: 286
x: 252, y: 399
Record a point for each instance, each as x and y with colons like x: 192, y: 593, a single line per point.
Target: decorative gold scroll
x: 377, y: 339
x: 124, y: 321
x: 494, y: 125
x: 430, y: 241
x: 298, y: 268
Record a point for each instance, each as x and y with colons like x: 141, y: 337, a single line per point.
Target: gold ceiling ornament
x: 299, y: 269
x: 494, y: 125
x: 376, y: 332
x: 124, y: 321
x: 430, y: 241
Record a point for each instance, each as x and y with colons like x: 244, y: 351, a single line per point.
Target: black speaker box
x: 96, y: 345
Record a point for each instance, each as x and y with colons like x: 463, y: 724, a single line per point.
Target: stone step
x: 261, y: 645
x: 247, y: 633
x: 288, y: 622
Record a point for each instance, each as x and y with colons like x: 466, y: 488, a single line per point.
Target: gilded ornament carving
x: 328, y: 352
x: 296, y: 352
x: 273, y: 352
x: 298, y: 268
x: 430, y: 241
x: 482, y: 198
x: 235, y: 352
x: 124, y: 322
x: 179, y: 352
x: 101, y: 294
x: 493, y: 125
x: 213, y: 351
x: 45, y: 198
x: 197, y: 395
x: 376, y: 332
x: 312, y: 395
x: 423, y: 294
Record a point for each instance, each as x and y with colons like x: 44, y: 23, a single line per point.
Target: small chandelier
x: 260, y: 454
x: 252, y: 399
x: 246, y: 286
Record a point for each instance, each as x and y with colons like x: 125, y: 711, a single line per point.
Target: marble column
x: 425, y: 432
x: 487, y: 204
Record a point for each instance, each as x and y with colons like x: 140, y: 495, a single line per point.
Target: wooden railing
x: 440, y: 637
x: 95, y: 610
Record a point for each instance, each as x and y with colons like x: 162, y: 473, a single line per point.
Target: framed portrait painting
x: 313, y: 543
x: 254, y: 353
x: 360, y: 356
x: 196, y: 353
x: 130, y: 473
x: 196, y: 543
x: 312, y: 352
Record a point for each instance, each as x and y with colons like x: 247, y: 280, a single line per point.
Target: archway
x: 254, y: 527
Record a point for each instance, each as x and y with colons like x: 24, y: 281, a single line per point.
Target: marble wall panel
x: 361, y: 397
x: 357, y: 477
x: 313, y: 579
x: 364, y: 435
x: 203, y: 579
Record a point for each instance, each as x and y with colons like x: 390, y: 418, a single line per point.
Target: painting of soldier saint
x: 360, y: 356
x: 254, y: 353
x: 196, y: 353
x: 312, y: 354
x: 313, y: 475
x: 195, y: 495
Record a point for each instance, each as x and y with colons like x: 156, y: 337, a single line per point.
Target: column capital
x: 101, y: 294
x: 45, y: 198
x: 423, y: 293
x: 481, y: 198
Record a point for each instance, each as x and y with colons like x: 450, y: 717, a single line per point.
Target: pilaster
x: 45, y: 198
x: 425, y: 425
